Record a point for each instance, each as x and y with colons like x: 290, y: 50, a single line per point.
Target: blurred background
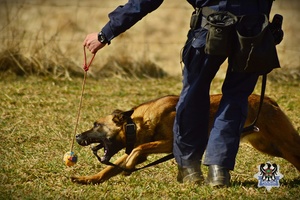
x: 45, y: 37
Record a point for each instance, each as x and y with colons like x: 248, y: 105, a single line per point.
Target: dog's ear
x: 120, y: 117
x: 128, y: 113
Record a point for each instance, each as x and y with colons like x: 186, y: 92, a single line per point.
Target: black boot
x: 218, y: 176
x: 191, y: 174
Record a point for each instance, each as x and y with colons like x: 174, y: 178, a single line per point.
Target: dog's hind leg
x: 284, y: 148
x: 277, y: 136
x: 103, y: 175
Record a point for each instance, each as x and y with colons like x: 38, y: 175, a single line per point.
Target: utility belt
x: 248, y: 39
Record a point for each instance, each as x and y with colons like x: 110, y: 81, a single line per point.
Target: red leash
x: 86, y: 68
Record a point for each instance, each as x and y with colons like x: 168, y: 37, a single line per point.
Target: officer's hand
x: 92, y: 44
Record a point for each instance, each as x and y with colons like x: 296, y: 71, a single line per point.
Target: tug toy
x: 70, y: 158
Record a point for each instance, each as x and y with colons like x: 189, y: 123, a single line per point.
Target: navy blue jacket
x: 124, y: 17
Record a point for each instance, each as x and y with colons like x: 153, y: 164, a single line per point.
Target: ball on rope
x: 70, y: 158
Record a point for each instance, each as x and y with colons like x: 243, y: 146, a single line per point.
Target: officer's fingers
x: 87, y: 41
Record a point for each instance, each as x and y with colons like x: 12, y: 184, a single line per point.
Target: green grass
x: 37, y: 120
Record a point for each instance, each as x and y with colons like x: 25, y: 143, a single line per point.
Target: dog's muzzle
x: 103, y: 143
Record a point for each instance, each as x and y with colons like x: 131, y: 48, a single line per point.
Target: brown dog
x: 154, y: 124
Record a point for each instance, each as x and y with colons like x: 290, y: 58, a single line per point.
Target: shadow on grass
x: 291, y: 182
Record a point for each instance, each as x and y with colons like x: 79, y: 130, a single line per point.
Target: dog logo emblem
x: 268, y: 175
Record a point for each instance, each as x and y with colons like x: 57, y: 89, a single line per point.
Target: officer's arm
x: 124, y: 17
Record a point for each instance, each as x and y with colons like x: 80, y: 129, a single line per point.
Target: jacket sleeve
x: 124, y: 17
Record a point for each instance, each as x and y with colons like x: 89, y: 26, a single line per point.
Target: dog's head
x: 109, y: 132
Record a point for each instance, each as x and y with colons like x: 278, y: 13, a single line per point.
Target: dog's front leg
x: 103, y: 175
x: 162, y: 146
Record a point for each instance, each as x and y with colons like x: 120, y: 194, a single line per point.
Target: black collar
x: 130, y: 133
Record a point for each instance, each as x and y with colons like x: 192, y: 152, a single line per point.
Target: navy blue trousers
x: 192, y: 117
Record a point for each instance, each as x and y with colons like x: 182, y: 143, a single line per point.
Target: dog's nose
x: 77, y: 136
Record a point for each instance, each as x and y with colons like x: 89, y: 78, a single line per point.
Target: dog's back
x: 155, y: 118
x: 277, y: 136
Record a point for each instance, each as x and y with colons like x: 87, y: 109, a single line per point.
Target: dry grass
x: 45, y: 38
x: 13, y: 62
x: 126, y: 67
x: 54, y: 30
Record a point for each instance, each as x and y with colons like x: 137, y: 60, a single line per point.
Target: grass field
x: 37, y: 123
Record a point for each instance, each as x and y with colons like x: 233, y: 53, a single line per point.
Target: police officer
x: 192, y: 117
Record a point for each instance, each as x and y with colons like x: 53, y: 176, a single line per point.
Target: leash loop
x: 85, y: 65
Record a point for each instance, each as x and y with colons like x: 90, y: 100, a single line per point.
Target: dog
x: 153, y: 123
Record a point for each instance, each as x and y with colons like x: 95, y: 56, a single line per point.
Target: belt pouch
x: 220, y: 33
x: 255, y: 51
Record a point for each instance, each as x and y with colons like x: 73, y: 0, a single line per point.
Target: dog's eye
x: 96, y: 124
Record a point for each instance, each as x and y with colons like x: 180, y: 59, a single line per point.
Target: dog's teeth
x: 103, y: 159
